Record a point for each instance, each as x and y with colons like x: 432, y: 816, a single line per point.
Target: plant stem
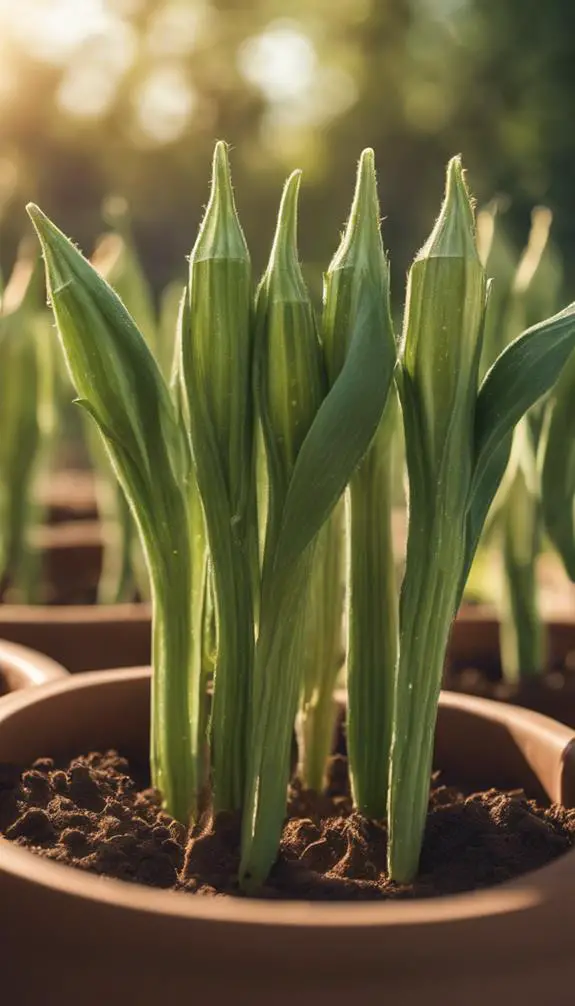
x: 427, y: 608
x: 116, y: 582
x: 279, y: 654
x: 522, y: 633
x: 178, y: 702
x: 373, y: 622
x: 315, y: 734
x: 233, y: 579
x: 324, y: 650
x: 171, y: 740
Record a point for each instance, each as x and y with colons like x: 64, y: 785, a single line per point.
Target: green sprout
x: 260, y: 478
x: 527, y: 291
x: 28, y: 419
x: 359, y: 274
x: 122, y: 575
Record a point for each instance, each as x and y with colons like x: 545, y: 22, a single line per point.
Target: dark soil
x: 95, y: 815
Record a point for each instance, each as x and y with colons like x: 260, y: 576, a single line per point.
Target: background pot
x: 474, y: 644
x: 99, y: 941
x: 80, y: 636
x: 21, y: 667
x: 68, y: 495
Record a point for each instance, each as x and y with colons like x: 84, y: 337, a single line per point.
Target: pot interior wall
x: 111, y: 710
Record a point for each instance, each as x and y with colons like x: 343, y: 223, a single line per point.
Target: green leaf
x: 339, y: 437
x: 525, y: 371
x: 119, y: 383
x: 557, y: 464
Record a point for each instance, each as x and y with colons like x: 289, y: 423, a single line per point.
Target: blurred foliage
x: 102, y: 97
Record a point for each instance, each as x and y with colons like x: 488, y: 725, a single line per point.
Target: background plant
x: 27, y: 419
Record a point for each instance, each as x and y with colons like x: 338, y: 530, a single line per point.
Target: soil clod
x: 93, y: 815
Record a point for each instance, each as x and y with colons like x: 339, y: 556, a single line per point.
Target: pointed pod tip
x: 42, y: 224
x: 361, y: 244
x: 453, y: 235
x: 367, y: 159
x: 284, y: 249
x: 290, y: 194
x: 35, y: 213
x: 221, y: 164
x: 220, y: 235
x: 222, y: 188
x: 294, y: 179
x: 220, y: 152
x: 456, y: 183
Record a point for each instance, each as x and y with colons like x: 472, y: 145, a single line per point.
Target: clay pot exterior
x: 21, y: 668
x: 68, y: 495
x: 474, y: 643
x: 80, y: 636
x: 475, y: 639
x: 71, y: 937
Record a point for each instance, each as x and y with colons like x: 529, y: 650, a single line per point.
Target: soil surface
x: 96, y: 814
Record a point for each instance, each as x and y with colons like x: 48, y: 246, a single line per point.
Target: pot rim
x: 518, y: 895
x: 36, y: 668
x: 472, y: 614
x: 62, y: 614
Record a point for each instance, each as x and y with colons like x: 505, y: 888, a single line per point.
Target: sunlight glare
x: 52, y: 30
x: 164, y: 105
x: 281, y: 61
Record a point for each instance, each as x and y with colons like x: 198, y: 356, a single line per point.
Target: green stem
x: 316, y: 735
x: 233, y: 580
x: 171, y: 741
x: 277, y: 686
x: 178, y: 739
x: 427, y: 608
x: 23, y: 563
x: 324, y: 650
x: 522, y: 633
x: 116, y: 582
x: 373, y: 624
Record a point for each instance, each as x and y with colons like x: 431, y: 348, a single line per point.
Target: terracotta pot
x: 22, y: 668
x: 475, y: 644
x: 71, y: 558
x: 475, y: 639
x: 100, y: 941
x: 80, y: 636
x: 68, y: 495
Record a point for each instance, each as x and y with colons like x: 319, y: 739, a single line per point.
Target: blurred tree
x: 128, y: 96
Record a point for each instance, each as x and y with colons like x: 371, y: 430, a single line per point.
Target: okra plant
x: 26, y: 418
x: 123, y: 573
x: 259, y: 478
x: 528, y: 289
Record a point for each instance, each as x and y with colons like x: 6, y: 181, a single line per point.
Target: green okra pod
x: 290, y: 384
x: 438, y: 380
x: 359, y: 271
x: 216, y: 378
